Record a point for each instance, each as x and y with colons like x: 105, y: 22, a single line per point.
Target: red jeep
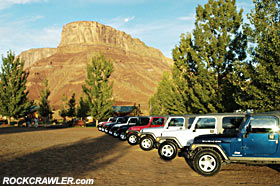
x: 132, y: 132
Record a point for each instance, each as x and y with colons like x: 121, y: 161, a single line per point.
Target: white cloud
x: 129, y: 19
x: 187, y: 18
x: 18, y: 38
x: 119, y: 22
x: 8, y: 3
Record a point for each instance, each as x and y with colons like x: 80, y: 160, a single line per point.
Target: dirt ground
x: 87, y: 153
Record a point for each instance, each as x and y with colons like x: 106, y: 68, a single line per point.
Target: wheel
x: 167, y: 150
x: 115, y: 134
x: 122, y: 136
x: 207, y: 162
x: 146, y: 143
x: 132, y: 139
x: 110, y: 132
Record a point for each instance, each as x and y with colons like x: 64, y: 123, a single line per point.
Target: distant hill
x: 137, y: 67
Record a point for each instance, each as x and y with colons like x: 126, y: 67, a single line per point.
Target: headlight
x: 126, y: 131
x: 157, y: 139
x: 193, y: 147
x: 139, y: 134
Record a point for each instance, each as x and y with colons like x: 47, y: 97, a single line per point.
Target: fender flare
x: 195, y: 147
x: 172, y: 139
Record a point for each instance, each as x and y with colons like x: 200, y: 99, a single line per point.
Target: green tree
x: 195, y: 80
x: 83, y: 108
x: 13, y: 94
x: 208, y: 57
x: 261, y: 90
x: 44, y: 109
x: 167, y: 100
x: 98, y: 90
x: 63, y: 109
x: 71, y: 112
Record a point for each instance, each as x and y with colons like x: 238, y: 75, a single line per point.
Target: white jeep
x: 170, y: 141
x: 148, y: 135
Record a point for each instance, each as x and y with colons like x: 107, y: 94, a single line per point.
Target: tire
x: 190, y: 163
x: 167, y: 150
x: 115, y: 134
x: 110, y: 132
x: 122, y: 136
x: 146, y: 143
x: 207, y: 162
x: 132, y: 139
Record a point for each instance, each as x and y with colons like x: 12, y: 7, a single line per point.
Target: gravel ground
x: 87, y: 153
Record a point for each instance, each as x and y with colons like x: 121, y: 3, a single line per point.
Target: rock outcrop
x: 33, y: 55
x: 137, y: 67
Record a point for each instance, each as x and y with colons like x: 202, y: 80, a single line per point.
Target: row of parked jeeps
x: 206, y: 141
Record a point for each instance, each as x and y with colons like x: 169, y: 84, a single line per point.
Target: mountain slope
x: 137, y: 67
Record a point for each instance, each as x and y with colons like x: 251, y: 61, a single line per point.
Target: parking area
x: 87, y: 153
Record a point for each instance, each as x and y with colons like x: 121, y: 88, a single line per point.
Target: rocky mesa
x: 137, y: 67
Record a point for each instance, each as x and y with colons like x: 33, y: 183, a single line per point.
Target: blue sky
x: 26, y: 24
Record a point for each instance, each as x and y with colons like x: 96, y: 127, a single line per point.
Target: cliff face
x: 137, y: 67
x: 88, y: 33
x: 33, y: 55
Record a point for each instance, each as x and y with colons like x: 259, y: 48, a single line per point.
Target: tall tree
x: 44, y: 109
x: 167, y: 100
x: 208, y: 57
x: 198, y: 91
x: 71, y: 112
x: 98, y: 89
x: 63, y: 109
x: 83, y: 108
x: 261, y: 91
x: 13, y: 94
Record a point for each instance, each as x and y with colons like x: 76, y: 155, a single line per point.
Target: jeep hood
x: 151, y: 129
x: 121, y: 124
x: 138, y: 128
x: 214, y: 138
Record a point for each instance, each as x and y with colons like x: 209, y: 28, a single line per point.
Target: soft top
x: 275, y: 113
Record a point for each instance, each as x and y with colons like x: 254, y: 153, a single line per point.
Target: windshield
x: 112, y: 119
x: 122, y: 120
x: 243, y: 123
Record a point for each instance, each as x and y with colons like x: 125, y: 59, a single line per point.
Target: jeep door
x: 203, y: 125
x: 261, y: 136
